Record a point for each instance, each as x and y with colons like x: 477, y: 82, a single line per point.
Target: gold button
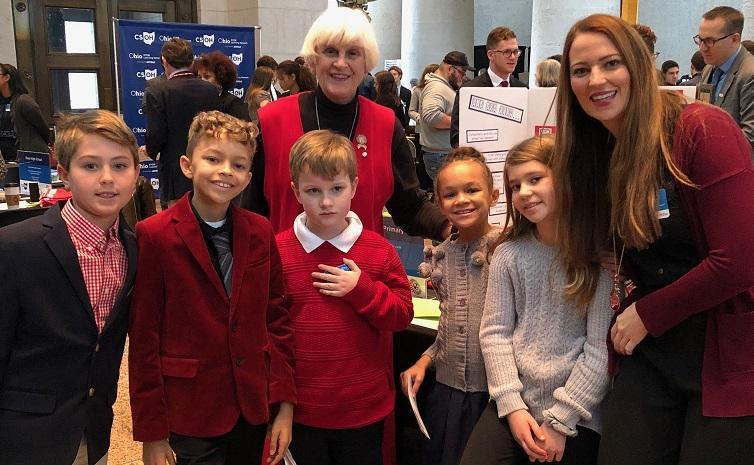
x: 96, y: 348
x: 91, y: 392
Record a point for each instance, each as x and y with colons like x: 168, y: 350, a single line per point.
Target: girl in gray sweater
x: 545, y: 354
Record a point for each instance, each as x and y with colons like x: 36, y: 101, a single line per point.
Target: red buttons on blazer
x: 239, y: 361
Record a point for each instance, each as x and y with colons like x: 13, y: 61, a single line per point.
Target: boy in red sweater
x: 346, y: 285
x: 211, y: 345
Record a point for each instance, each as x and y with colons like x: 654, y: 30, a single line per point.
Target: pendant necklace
x: 353, y: 124
x: 618, y: 292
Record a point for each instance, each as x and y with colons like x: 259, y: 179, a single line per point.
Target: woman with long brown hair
x: 387, y: 95
x: 657, y: 183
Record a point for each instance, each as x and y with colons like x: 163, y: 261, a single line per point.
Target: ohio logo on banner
x: 139, y: 45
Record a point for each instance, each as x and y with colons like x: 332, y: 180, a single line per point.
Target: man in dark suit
x: 503, y: 53
x: 730, y: 68
x: 170, y: 108
x: 403, y: 93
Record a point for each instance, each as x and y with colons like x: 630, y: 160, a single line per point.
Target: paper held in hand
x: 288, y: 458
x: 415, y: 408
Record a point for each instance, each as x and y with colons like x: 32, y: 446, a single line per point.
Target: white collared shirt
x: 343, y: 241
x: 496, y: 80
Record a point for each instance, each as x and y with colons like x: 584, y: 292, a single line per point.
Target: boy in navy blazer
x: 211, y: 343
x: 66, y: 284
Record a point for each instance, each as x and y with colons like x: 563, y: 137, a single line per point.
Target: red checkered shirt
x: 102, y: 258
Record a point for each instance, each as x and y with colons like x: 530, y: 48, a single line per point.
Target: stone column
x: 747, y: 8
x: 551, y: 20
x: 7, y: 36
x: 284, y: 22
x: 432, y: 28
x: 386, y: 20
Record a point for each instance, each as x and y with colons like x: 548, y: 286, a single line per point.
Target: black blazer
x: 170, y: 107
x: 483, y: 80
x: 58, y: 374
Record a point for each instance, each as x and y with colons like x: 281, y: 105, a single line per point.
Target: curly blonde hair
x: 219, y: 125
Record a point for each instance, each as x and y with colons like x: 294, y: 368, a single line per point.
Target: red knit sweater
x: 342, y: 368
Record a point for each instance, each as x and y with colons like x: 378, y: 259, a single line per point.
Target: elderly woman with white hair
x: 340, y: 48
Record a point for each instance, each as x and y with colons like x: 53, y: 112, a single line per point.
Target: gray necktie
x: 221, y: 241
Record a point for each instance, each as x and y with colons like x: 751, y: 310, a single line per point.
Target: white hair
x: 341, y: 27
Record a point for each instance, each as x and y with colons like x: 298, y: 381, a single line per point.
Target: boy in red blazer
x: 346, y: 286
x: 66, y: 285
x: 211, y: 344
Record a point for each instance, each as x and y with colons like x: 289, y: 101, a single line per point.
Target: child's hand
x: 416, y: 373
x: 337, y: 282
x: 281, y: 433
x: 526, y: 432
x: 157, y: 453
x: 554, y: 443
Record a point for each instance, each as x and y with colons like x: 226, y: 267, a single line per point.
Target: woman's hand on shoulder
x: 416, y: 374
x: 157, y: 453
x: 527, y: 434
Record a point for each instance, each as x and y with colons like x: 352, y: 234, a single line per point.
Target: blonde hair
x: 341, y: 27
x: 102, y: 123
x: 218, y: 125
x: 547, y: 73
x: 607, y: 184
x: 325, y: 153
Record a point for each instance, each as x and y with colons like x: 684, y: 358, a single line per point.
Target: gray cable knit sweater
x: 541, y: 352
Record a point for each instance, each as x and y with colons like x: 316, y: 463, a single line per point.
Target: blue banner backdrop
x: 139, y: 45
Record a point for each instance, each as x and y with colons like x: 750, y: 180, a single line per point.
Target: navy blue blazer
x: 58, y: 374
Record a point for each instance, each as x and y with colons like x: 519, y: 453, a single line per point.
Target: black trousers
x: 492, y: 443
x: 653, y: 414
x: 319, y: 446
x: 243, y: 445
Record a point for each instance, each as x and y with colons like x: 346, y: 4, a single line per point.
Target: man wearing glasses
x: 503, y: 53
x: 730, y: 68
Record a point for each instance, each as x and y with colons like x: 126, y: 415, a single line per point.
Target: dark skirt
x: 450, y: 416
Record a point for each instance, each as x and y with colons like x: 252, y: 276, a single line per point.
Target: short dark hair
x: 734, y: 19
x: 748, y: 45
x: 498, y: 34
x: 266, y: 60
x: 178, y: 52
x: 221, y: 66
x: 647, y: 34
x: 667, y: 65
x: 697, y: 61
x: 396, y: 69
x: 557, y: 57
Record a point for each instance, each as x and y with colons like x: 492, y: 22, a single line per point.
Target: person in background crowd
x: 414, y: 112
x: 366, y: 88
x: 654, y: 182
x: 268, y: 61
x: 650, y: 39
x: 402, y: 92
x: 169, y: 109
x: 438, y: 95
x: 697, y: 65
x: 215, y: 67
x: 748, y: 45
x: 503, y: 53
x: 22, y: 126
x: 547, y: 73
x: 294, y: 78
x: 730, y: 68
x: 557, y: 57
x: 258, y: 94
x: 386, y: 96
x: 670, y: 71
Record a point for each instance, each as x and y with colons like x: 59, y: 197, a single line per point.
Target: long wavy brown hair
x: 607, y: 184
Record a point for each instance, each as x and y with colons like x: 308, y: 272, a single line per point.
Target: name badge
x: 663, y: 210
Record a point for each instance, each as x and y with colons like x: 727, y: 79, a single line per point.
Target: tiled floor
x: 123, y: 449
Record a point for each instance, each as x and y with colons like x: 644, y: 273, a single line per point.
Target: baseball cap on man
x: 456, y: 58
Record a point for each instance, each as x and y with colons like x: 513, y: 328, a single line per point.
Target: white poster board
x: 687, y: 91
x: 494, y: 119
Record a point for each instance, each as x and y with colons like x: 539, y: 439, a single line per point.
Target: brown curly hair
x: 220, y: 65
